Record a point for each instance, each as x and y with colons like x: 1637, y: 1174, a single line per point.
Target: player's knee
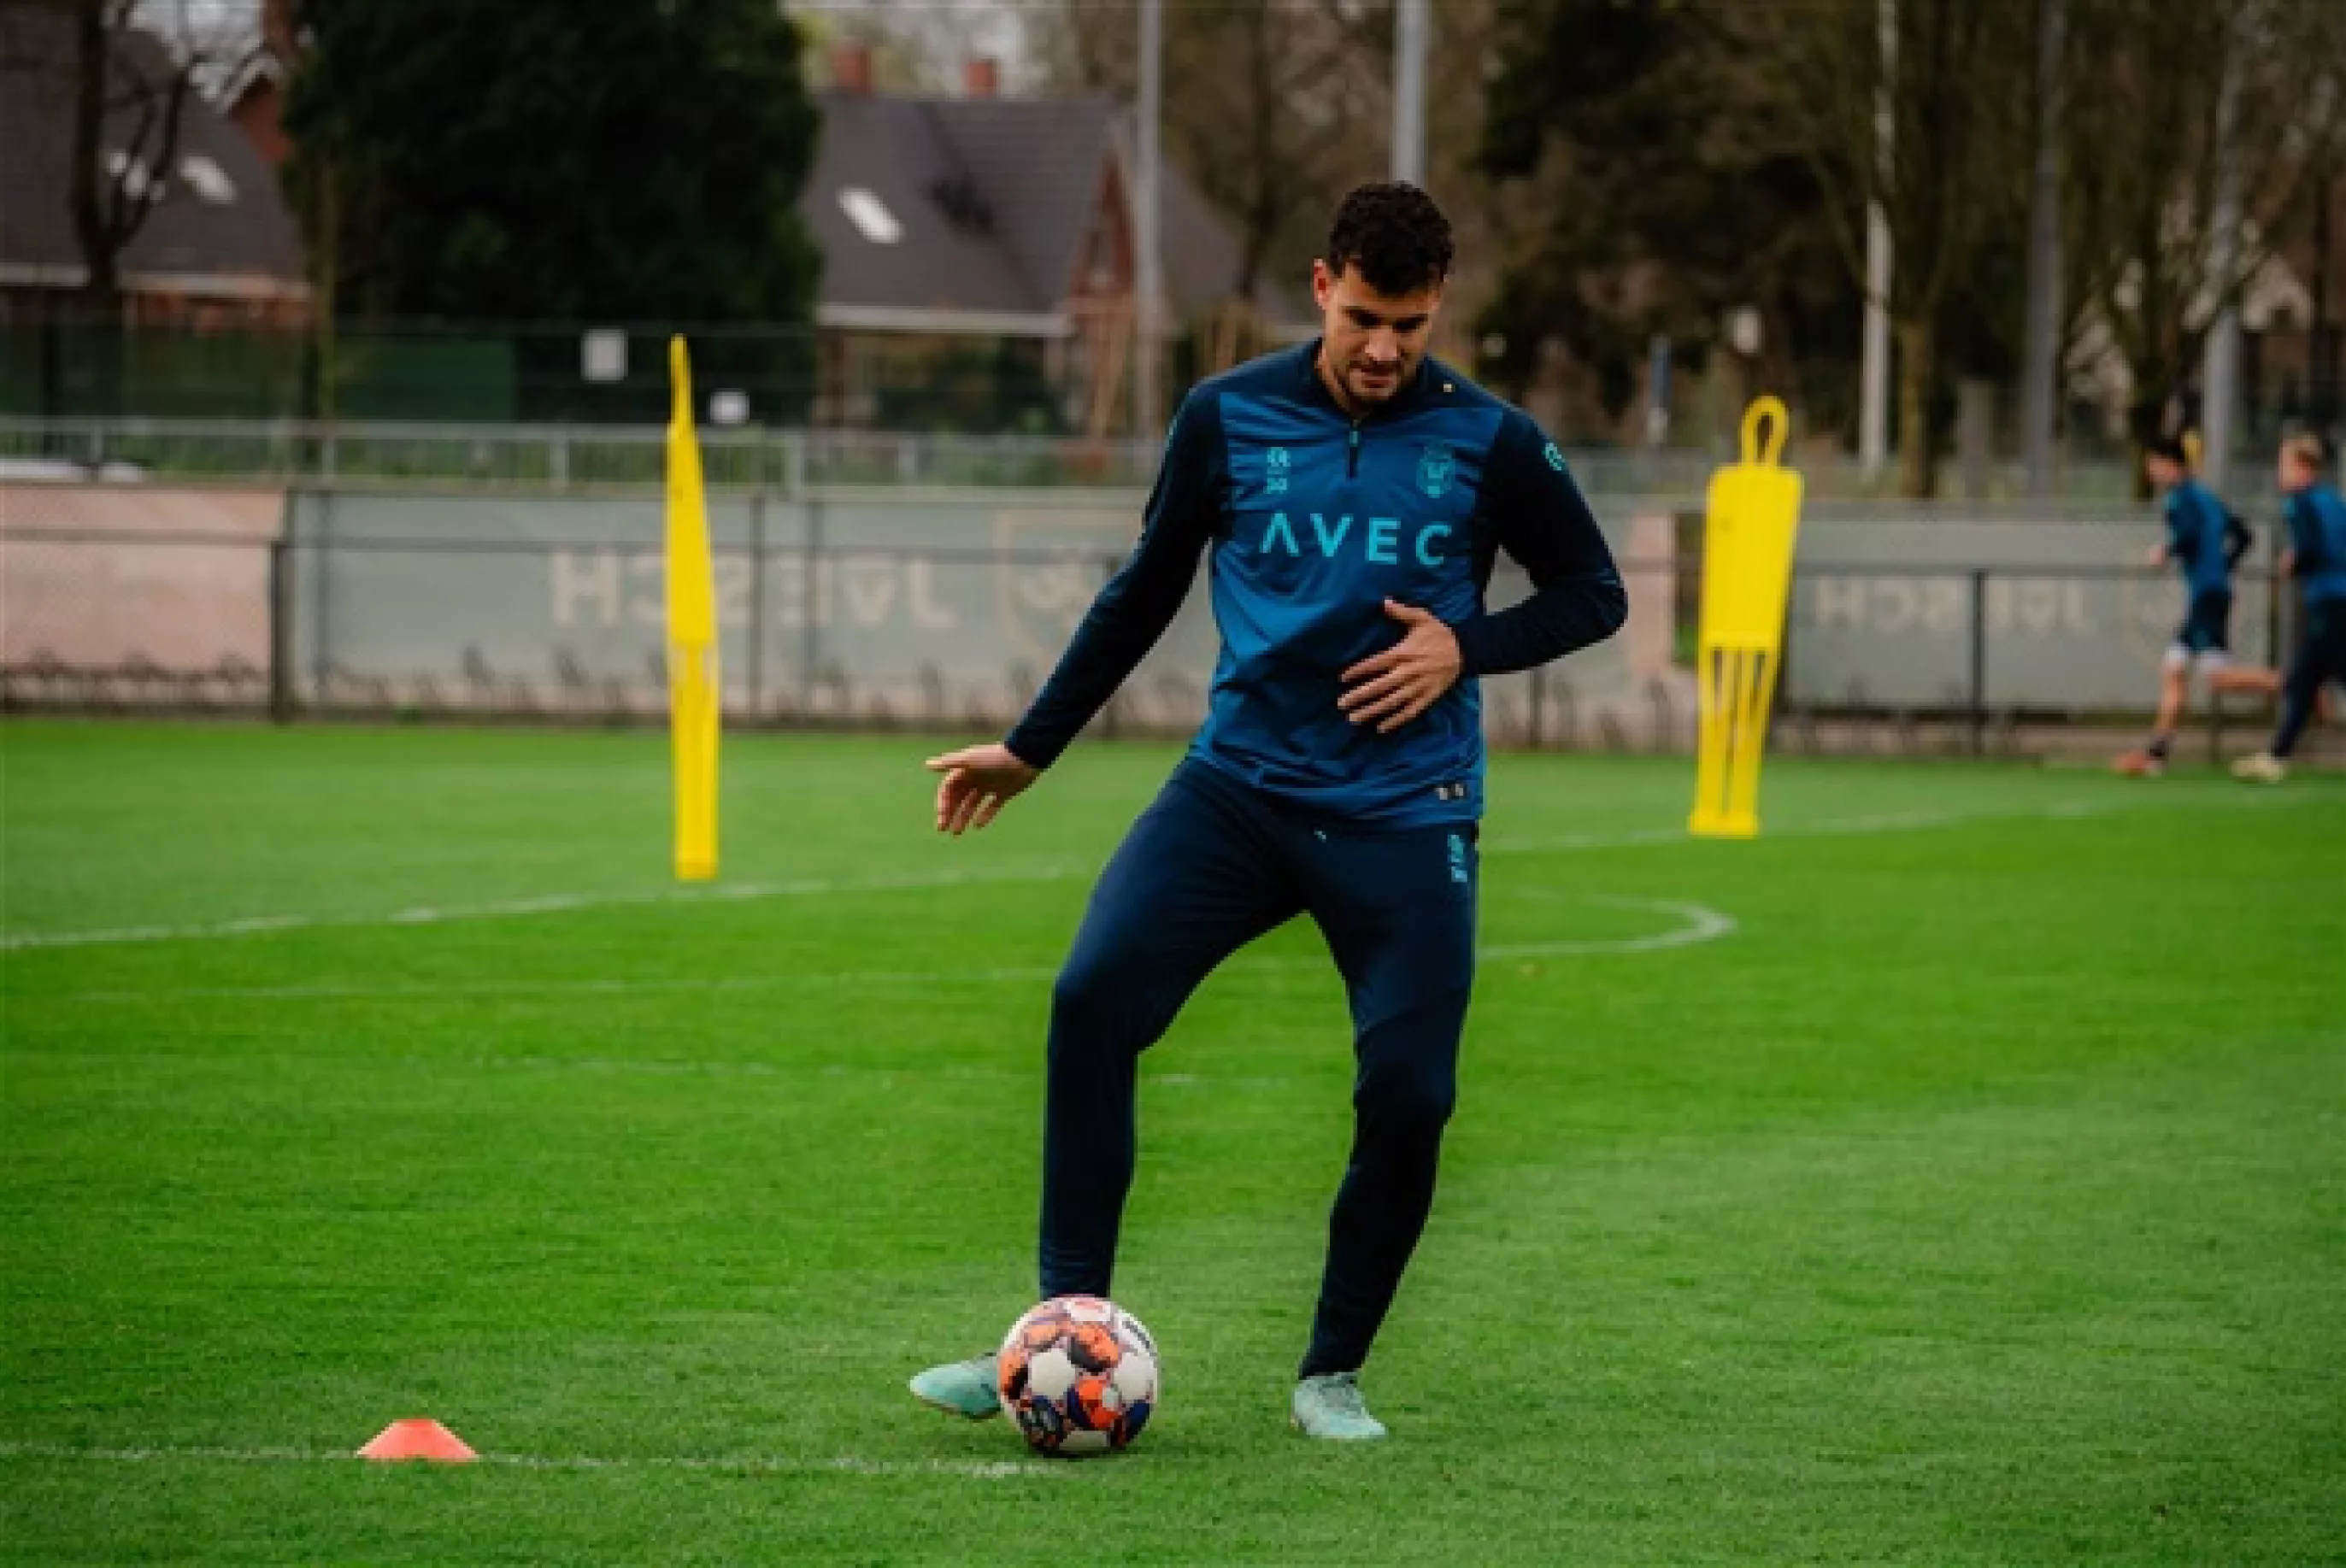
x: 1411, y: 1106
x: 1097, y: 1001
x: 1085, y: 988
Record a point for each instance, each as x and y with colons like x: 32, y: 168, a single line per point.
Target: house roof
x: 973, y: 238
x: 989, y: 204
x: 221, y: 229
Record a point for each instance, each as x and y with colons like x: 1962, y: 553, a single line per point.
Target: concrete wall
x: 905, y: 601
x: 896, y: 602
x: 2068, y: 617
x: 111, y: 575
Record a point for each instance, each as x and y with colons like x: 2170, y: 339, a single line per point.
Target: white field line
x: 682, y: 1068
x: 2155, y: 798
x: 1844, y: 827
x: 1894, y: 822
x: 750, y: 1464
x: 1697, y: 923
x: 1694, y: 923
x: 553, y: 903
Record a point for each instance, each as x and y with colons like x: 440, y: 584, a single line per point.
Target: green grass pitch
x: 1956, y: 1175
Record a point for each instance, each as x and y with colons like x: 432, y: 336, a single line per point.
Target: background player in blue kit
x: 1350, y: 496
x: 2205, y: 541
x: 2316, y: 557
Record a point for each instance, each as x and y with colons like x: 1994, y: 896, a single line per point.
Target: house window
x: 207, y: 179
x: 871, y: 216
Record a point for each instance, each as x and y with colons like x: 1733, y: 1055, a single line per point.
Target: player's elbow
x: 1612, y: 604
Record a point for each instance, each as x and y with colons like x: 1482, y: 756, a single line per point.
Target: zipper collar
x: 1405, y: 399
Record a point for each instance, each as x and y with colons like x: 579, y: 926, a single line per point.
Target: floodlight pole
x: 1873, y: 376
x: 2040, y: 393
x: 1412, y: 24
x: 2221, y: 375
x: 1147, y: 281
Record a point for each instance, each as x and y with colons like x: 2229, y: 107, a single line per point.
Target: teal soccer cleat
x: 961, y: 1388
x: 1330, y: 1407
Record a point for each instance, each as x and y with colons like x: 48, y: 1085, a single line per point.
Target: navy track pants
x: 1210, y: 867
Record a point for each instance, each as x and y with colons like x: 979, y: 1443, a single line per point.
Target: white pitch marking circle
x: 1697, y: 923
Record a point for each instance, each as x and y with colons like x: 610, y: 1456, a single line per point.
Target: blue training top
x: 2204, y: 539
x: 1314, y: 519
x: 2317, y: 532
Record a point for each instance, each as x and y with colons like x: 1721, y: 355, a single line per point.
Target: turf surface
x: 1956, y: 1175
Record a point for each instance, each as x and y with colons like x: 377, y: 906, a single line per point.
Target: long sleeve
x: 2180, y: 541
x: 2304, y: 521
x: 2238, y: 538
x: 1542, y: 522
x: 1141, y: 600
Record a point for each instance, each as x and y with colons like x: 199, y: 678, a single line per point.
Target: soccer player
x: 1350, y: 495
x: 2205, y: 541
x: 2316, y: 557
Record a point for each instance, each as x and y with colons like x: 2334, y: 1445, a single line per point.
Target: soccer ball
x: 1079, y: 1375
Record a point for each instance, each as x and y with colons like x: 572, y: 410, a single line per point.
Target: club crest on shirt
x: 1434, y: 468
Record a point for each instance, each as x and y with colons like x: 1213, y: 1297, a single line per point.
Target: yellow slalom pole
x: 1754, y: 518
x: 695, y: 692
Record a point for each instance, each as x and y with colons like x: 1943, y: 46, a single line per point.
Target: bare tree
x: 126, y: 72
x: 93, y: 66
x: 1271, y: 107
x: 1655, y: 184
x: 1954, y: 168
x: 2142, y: 243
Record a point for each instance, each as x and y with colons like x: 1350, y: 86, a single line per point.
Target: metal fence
x: 945, y: 610
x: 558, y: 458
x: 552, y: 458
x: 59, y: 358
x: 817, y: 635
x: 571, y: 459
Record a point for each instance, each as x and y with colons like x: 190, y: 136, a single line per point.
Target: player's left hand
x: 1397, y: 685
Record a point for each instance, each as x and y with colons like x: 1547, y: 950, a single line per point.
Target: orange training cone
x: 419, y: 1439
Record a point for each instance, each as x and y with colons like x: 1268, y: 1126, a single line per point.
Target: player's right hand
x: 977, y: 783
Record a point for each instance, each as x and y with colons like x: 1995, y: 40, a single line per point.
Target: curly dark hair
x: 1393, y: 234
